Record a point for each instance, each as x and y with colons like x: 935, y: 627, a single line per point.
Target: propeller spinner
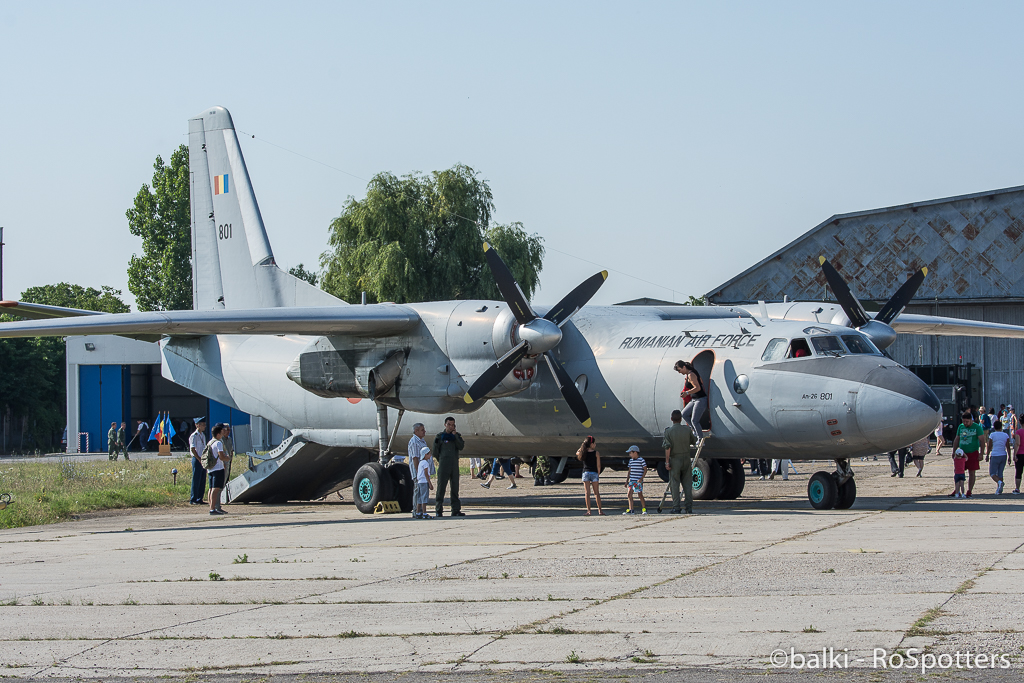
x: 877, y: 329
x: 537, y: 336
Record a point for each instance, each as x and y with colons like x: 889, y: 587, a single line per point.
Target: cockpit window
x: 776, y: 350
x: 828, y: 346
x: 859, y: 344
x: 798, y: 348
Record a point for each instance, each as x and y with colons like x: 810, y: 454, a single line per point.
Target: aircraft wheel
x: 370, y: 486
x: 734, y: 479
x: 662, y: 470
x: 822, y: 491
x: 847, y: 494
x: 559, y: 478
x: 401, y: 479
x: 707, y: 479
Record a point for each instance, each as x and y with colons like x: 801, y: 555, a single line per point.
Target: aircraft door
x: 670, y: 383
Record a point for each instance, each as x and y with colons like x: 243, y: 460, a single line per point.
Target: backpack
x: 209, y: 458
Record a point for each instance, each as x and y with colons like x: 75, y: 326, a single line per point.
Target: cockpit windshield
x: 859, y: 344
x: 828, y: 346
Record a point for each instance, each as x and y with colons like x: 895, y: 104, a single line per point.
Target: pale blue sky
x: 677, y: 142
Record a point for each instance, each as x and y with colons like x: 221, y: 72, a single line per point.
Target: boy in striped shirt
x: 635, y: 480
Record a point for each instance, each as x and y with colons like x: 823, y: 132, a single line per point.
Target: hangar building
x: 970, y: 244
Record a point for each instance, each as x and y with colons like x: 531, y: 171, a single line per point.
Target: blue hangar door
x: 102, y: 395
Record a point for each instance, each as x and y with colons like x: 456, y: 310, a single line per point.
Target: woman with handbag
x: 591, y: 460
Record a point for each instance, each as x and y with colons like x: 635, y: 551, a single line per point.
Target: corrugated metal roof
x: 969, y: 243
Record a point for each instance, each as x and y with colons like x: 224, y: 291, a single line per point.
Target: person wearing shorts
x: 217, y: 472
x: 1000, y: 447
x: 591, y: 458
x: 635, y: 480
x: 423, y: 485
x: 959, y: 465
x: 475, y: 468
x: 970, y: 437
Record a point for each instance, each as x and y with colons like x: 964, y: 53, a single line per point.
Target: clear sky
x: 678, y: 143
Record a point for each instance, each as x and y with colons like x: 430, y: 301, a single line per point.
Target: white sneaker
x: 999, y: 488
x: 628, y: 512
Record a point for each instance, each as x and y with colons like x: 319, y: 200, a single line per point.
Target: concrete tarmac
x: 526, y: 584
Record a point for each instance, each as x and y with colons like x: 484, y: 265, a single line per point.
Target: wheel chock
x: 387, y: 507
x: 5, y: 500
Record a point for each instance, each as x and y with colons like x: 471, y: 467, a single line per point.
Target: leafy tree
x: 420, y: 238
x: 300, y: 272
x: 696, y: 301
x: 33, y: 402
x: 161, y: 279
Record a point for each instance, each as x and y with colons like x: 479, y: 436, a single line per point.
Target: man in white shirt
x: 196, y: 443
x: 217, y: 472
x: 416, y: 443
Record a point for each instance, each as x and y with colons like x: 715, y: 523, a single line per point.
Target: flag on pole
x: 170, y: 428
x: 158, y: 428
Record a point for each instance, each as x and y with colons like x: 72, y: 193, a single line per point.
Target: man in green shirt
x: 112, y: 442
x: 446, y: 449
x: 676, y: 443
x: 970, y: 436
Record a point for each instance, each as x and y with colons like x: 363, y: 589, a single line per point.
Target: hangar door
x: 102, y: 392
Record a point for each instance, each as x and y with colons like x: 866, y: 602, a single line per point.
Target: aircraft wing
x: 41, y: 311
x: 370, y: 320
x: 915, y: 323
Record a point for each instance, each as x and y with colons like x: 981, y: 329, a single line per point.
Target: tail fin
x: 233, y: 265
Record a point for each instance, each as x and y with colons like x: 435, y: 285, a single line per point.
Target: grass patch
x: 811, y: 629
x: 48, y: 492
x: 241, y: 559
x: 920, y: 627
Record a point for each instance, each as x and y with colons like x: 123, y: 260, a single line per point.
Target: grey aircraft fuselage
x: 827, y: 405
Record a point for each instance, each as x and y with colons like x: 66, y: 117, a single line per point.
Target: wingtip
x: 604, y: 274
x: 586, y: 423
x: 925, y: 271
x: 486, y: 246
x: 467, y: 398
x: 821, y: 260
x: 8, y: 304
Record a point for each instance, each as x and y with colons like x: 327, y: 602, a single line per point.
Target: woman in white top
x: 217, y: 472
x: 1000, y: 447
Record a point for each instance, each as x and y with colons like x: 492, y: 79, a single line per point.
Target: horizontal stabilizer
x: 41, y: 311
x: 370, y: 320
x: 914, y: 323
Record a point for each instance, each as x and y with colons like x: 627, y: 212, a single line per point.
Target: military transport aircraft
x: 793, y: 380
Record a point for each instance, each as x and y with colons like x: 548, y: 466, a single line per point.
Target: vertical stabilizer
x: 233, y: 265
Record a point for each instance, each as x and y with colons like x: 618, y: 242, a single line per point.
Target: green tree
x: 300, y: 272
x: 161, y: 279
x: 33, y: 401
x: 420, y: 238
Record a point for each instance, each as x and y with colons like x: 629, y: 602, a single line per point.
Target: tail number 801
x: 224, y: 231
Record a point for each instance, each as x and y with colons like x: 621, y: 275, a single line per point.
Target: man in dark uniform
x: 676, y: 443
x: 122, y: 440
x: 112, y: 442
x: 447, y: 445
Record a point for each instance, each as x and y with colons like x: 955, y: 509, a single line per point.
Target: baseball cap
x: 633, y: 449
x: 959, y: 452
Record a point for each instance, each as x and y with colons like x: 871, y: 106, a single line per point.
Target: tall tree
x: 33, y: 401
x: 420, y: 238
x: 300, y: 272
x: 161, y: 279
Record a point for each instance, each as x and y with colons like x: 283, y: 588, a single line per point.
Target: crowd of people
x: 994, y: 436
x: 211, y: 462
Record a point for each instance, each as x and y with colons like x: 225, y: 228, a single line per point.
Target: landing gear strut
x: 376, y: 482
x: 827, y: 490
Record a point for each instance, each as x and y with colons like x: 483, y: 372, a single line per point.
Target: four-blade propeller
x: 537, y: 336
x: 877, y: 328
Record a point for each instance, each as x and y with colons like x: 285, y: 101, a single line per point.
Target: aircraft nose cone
x: 895, y: 408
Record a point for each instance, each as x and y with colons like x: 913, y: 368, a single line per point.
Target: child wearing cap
x: 959, y: 473
x: 423, y: 485
x: 635, y: 480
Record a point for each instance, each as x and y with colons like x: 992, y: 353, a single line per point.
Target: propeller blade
x: 493, y: 375
x: 851, y: 305
x: 508, y: 287
x: 894, y: 306
x: 576, y: 299
x: 569, y: 391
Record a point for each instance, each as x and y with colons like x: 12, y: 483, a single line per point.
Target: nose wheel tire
x: 401, y: 480
x: 847, y: 494
x: 822, y: 491
x: 370, y: 486
x: 733, y: 480
x: 707, y: 479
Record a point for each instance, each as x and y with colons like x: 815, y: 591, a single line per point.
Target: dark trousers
x: 198, y: 481
x: 447, y: 473
x: 763, y: 468
x: 897, y: 459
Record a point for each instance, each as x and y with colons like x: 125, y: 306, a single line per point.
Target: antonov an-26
x: 793, y: 380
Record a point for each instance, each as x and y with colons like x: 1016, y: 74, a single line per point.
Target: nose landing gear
x: 828, y: 490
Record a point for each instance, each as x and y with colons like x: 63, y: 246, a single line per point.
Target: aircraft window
x: 828, y: 346
x: 776, y: 350
x: 798, y: 348
x: 858, y: 344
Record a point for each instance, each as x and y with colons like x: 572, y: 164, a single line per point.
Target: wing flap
x: 370, y: 320
x: 915, y: 323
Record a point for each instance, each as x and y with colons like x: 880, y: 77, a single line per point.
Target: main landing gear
x: 828, y: 490
x: 376, y: 482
